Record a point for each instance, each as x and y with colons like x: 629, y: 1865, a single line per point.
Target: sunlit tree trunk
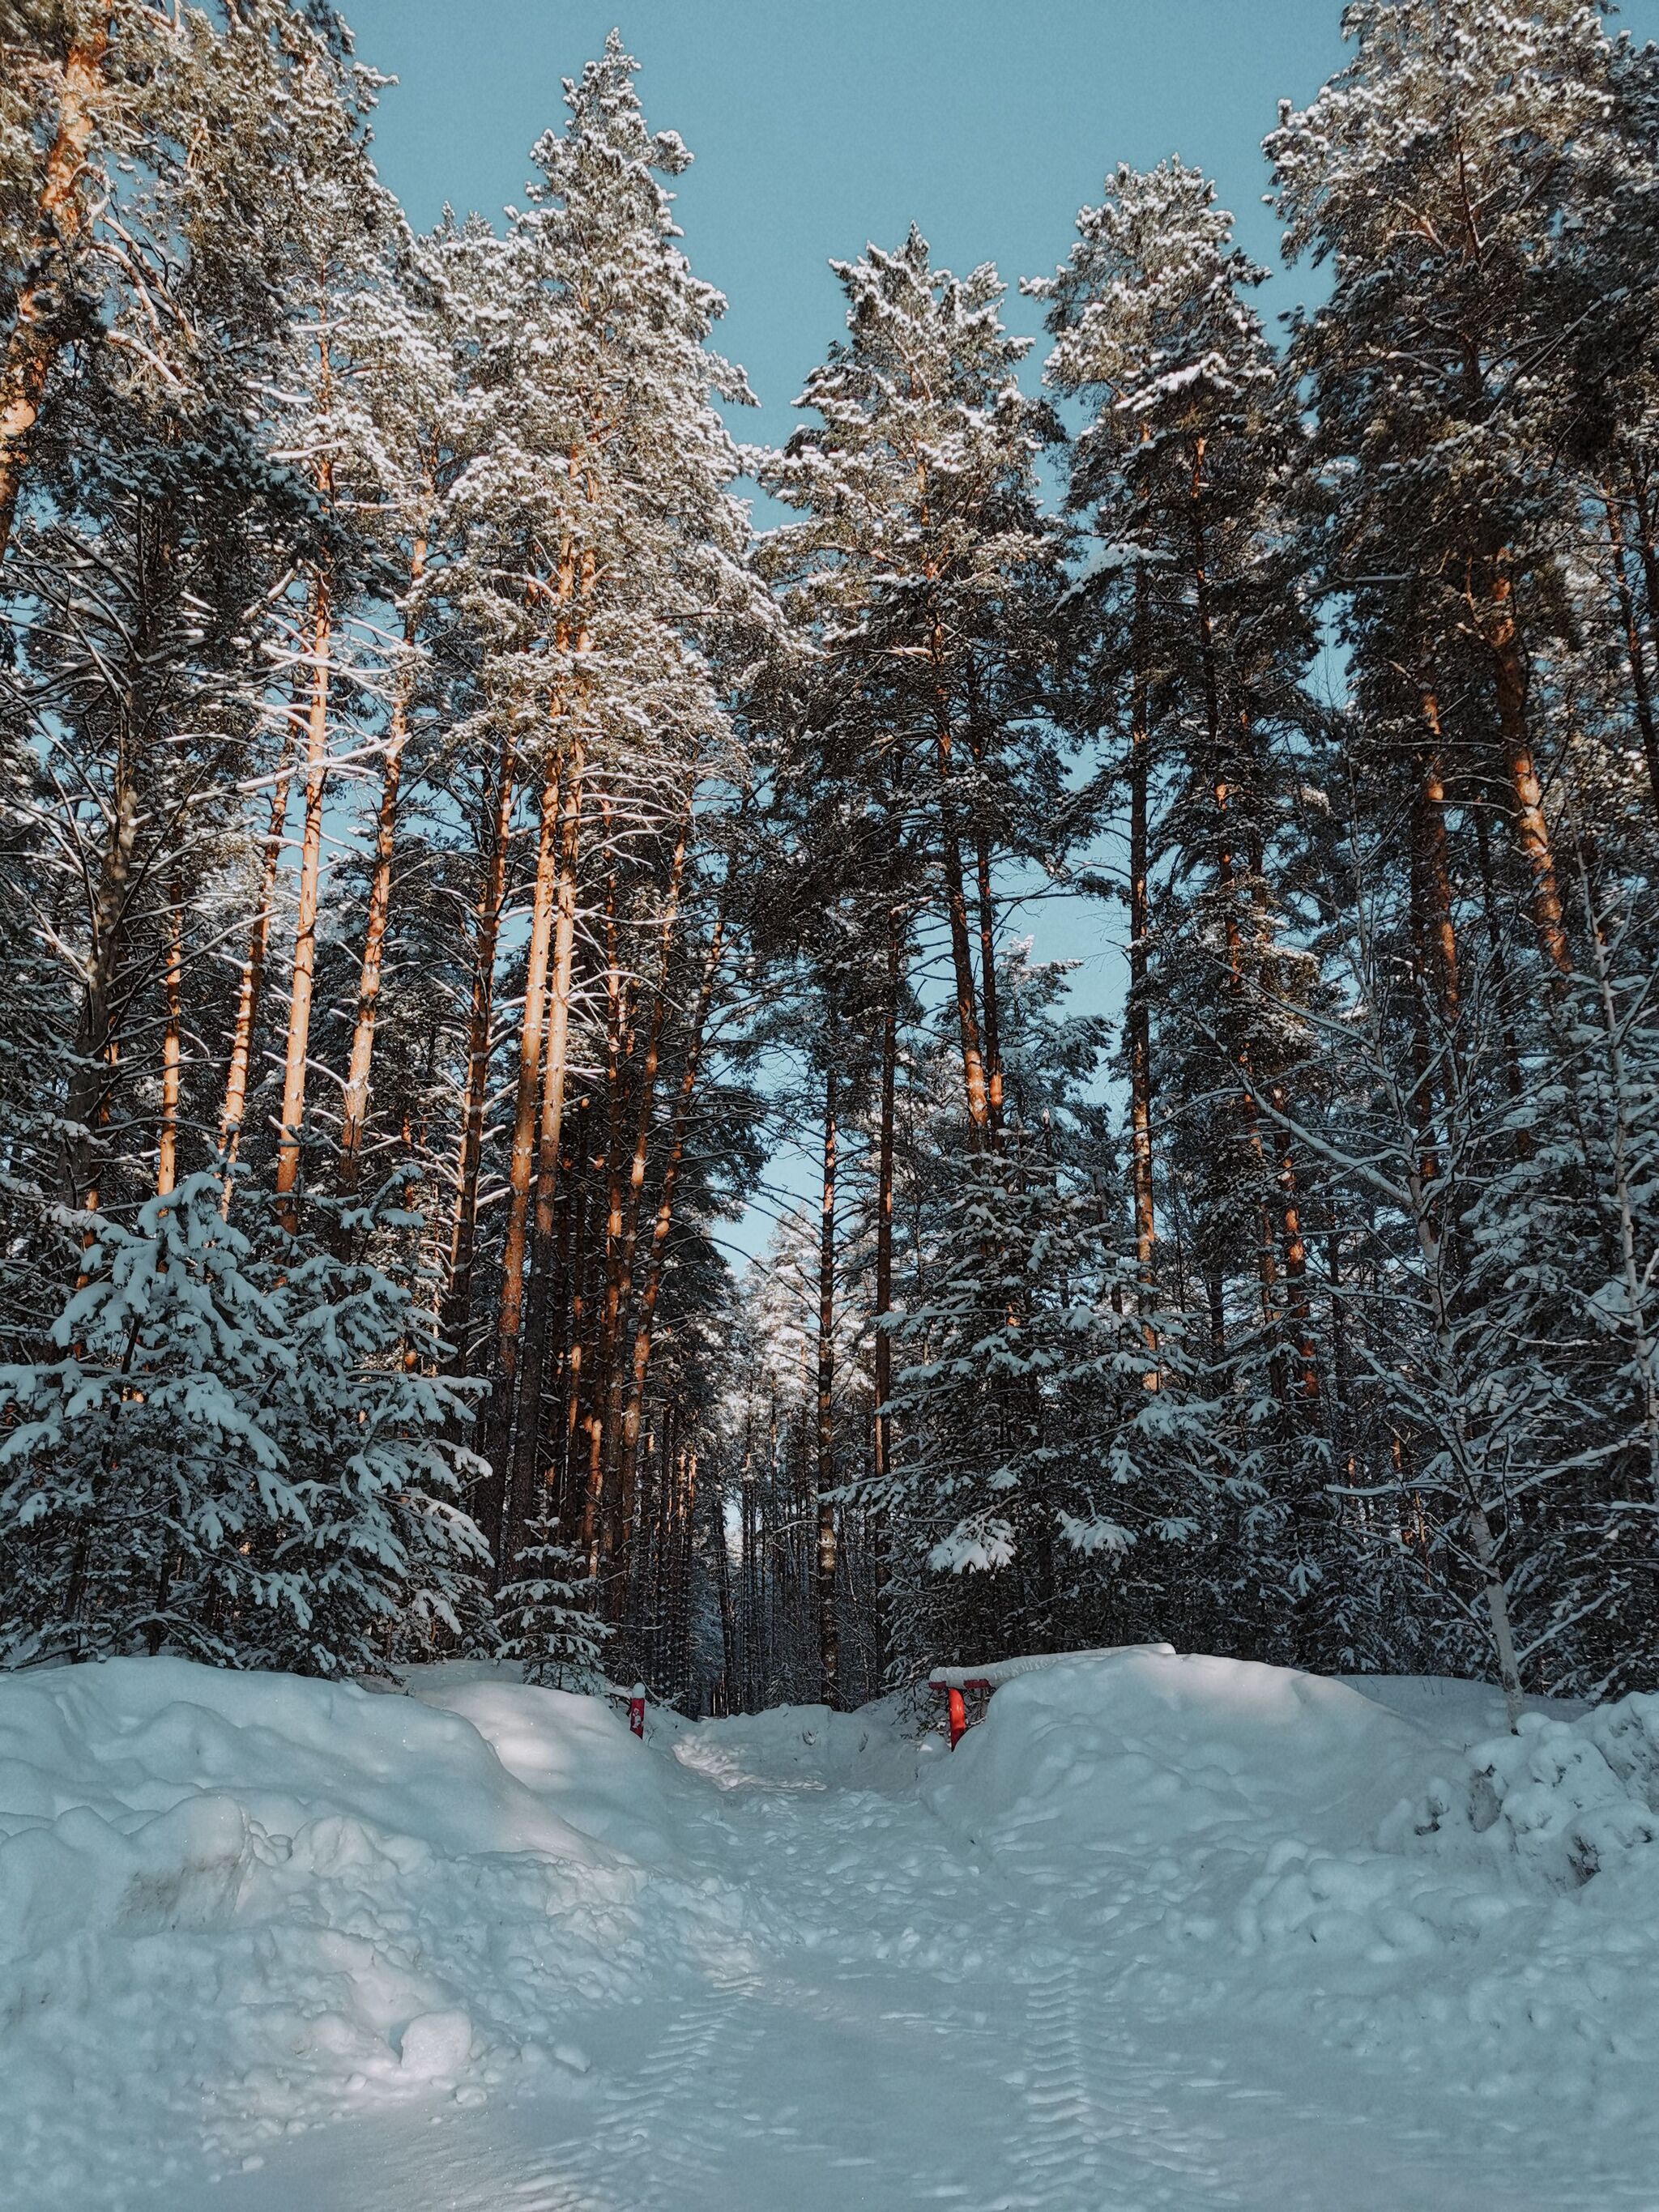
x: 298, y: 1043
x: 37, y: 337
x: 1532, y: 830
x: 166, y: 1147
x: 250, y: 985
x: 828, y: 1647
x: 458, y: 1300
x: 1138, y: 1013
x: 354, y: 1106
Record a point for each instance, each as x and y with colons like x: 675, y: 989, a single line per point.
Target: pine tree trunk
x: 1635, y: 652
x: 96, y: 1042
x: 884, y: 1305
x: 555, y: 1067
x: 296, y: 1054
x: 661, y: 1228
x: 987, y: 972
x: 166, y: 1146
x: 1226, y: 879
x: 458, y: 1296
x: 34, y: 343
x: 520, y: 1164
x: 829, y: 1651
x: 634, y: 1195
x: 723, y: 1584
x: 1532, y: 830
x: 354, y: 1105
x: 975, y: 1086
x: 603, y: 1519
x: 251, y: 988
x: 1138, y: 1011
x: 1436, y: 870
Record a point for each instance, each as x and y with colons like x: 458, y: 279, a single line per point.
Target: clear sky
x: 821, y: 124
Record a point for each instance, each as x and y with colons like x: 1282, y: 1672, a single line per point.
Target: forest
x: 450, y: 843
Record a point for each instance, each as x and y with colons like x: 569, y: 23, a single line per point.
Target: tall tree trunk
x: 458, y: 1295
x: 250, y: 987
x: 555, y: 1066
x: 1227, y: 879
x: 825, y: 1484
x: 1295, y: 1262
x: 987, y: 973
x: 520, y: 1161
x: 166, y: 1147
x: 1138, y: 1011
x: 295, y: 1056
x: 723, y: 1584
x: 96, y: 1054
x: 354, y: 1106
x: 976, y: 1085
x: 1437, y: 868
x: 634, y: 1195
x: 884, y: 1306
x: 1532, y: 830
x: 656, y: 1259
x: 603, y: 1520
x: 38, y: 335
x: 1635, y: 651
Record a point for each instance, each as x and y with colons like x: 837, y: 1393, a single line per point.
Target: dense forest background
x: 445, y: 845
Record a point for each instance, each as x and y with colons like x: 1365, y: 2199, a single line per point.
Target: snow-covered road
x: 903, y: 2017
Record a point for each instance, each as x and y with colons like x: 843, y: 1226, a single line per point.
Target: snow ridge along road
x: 1165, y: 1932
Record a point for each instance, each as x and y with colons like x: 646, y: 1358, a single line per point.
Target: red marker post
x: 636, y: 1710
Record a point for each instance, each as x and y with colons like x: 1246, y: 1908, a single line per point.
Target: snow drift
x: 1485, y: 1909
x: 234, y: 1904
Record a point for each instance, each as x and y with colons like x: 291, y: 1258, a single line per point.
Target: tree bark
x: 1138, y: 1012
x: 166, y: 1146
x: 645, y: 1323
x: 520, y: 1163
x: 354, y: 1105
x: 555, y: 1066
x: 1532, y: 830
x: 37, y: 335
x: 298, y: 1044
x: 251, y: 988
x: 633, y: 1196
x: 1641, y: 691
x: 457, y: 1296
x: 824, y: 1482
x: 884, y: 1305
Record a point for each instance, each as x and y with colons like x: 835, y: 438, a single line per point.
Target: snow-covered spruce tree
x: 545, y: 1620
x: 236, y: 1452
x: 1048, y: 1443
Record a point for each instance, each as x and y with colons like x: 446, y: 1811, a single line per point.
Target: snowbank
x: 233, y: 1905
x: 1488, y: 1913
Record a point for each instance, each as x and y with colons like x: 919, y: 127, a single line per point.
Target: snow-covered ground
x: 1165, y: 1932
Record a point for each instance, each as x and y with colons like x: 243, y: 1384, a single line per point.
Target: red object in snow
x: 957, y: 1704
x: 636, y: 1710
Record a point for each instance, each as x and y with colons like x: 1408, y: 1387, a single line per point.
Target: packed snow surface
x: 1164, y: 1931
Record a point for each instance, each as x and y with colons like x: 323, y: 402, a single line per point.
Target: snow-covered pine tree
x: 1190, y: 651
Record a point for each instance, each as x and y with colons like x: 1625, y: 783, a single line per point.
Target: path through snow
x: 918, y: 2006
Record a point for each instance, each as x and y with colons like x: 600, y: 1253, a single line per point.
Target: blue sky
x: 816, y: 127
x: 823, y: 125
